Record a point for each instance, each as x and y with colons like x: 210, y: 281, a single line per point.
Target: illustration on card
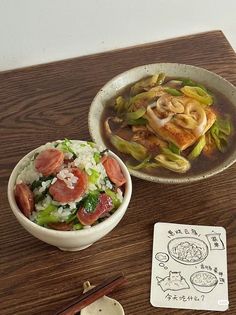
x: 174, y: 282
x: 215, y: 241
x: 203, y: 281
x: 162, y: 257
x: 189, y: 267
x: 188, y: 250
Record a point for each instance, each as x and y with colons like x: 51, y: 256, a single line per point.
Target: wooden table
x: 51, y: 101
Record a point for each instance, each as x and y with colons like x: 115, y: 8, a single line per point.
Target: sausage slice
x: 49, y: 161
x: 104, y: 205
x: 113, y: 171
x: 24, y: 199
x: 61, y: 193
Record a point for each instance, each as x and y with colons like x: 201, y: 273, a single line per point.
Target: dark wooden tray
x: 51, y: 101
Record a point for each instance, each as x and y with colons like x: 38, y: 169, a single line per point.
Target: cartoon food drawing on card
x: 189, y: 267
x: 162, y: 257
x: 203, y: 281
x: 188, y: 250
x: 173, y: 282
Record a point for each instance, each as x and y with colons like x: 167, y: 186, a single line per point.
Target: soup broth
x: 221, y: 107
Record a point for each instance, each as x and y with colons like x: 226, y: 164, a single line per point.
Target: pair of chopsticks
x: 92, y: 295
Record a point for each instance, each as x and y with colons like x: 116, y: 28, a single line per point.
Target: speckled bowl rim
x: 148, y: 69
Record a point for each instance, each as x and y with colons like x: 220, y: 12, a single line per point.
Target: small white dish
x: 104, y: 305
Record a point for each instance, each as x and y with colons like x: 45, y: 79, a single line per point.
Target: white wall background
x: 39, y: 31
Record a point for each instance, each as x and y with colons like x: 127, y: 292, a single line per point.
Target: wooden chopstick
x: 92, y: 295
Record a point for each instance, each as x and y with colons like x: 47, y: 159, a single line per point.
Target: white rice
x: 44, y: 186
x: 69, y: 178
x: 29, y: 174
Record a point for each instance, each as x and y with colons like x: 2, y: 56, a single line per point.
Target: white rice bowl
x: 25, y: 172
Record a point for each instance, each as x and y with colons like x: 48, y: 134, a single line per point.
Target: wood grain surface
x: 51, y: 101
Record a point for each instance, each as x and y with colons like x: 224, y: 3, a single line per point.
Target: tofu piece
x: 151, y: 142
x: 140, y: 128
x: 148, y: 139
x: 182, y: 137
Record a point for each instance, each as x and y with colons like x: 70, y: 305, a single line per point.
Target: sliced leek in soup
x: 162, y: 124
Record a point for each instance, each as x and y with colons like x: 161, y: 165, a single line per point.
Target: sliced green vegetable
x: 197, y: 93
x: 174, y: 148
x: 136, y: 115
x: 144, y: 164
x: 47, y: 215
x: 203, y: 88
x: 142, y: 99
x: 161, y: 78
x: 220, y: 132
x: 144, y: 84
x: 220, y: 141
x: 198, y: 148
x: 135, y: 149
x: 92, y: 144
x: 77, y: 226
x: 72, y: 216
x: 172, y: 91
x: 115, y: 200
x: 94, y: 176
x: 90, y: 201
x: 139, y: 121
x: 186, y: 81
x: 172, y: 161
x: 121, y: 105
x: 224, y: 125
x: 190, y: 82
x: 65, y: 147
x: 97, y: 157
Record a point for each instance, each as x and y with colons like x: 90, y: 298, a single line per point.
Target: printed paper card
x: 189, y: 267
